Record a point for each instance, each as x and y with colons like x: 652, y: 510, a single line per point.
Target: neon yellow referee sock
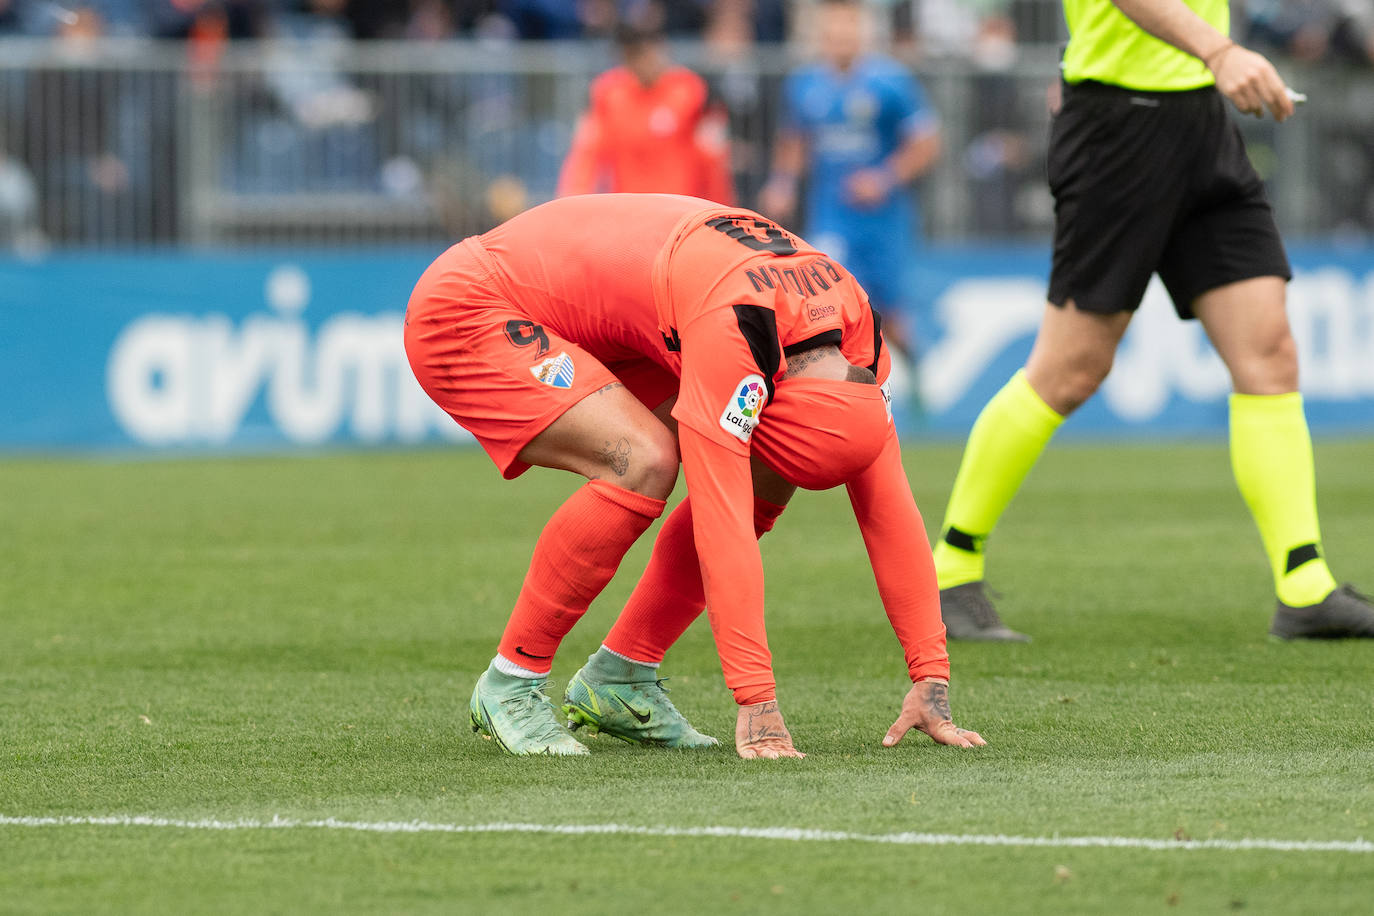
x: 1271, y: 455
x: 1006, y: 441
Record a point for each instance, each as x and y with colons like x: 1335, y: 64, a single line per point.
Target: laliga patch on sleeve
x: 556, y: 371
x: 742, y: 410
x: 886, y: 389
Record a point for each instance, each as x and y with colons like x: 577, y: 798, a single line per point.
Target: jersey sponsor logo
x: 742, y: 411
x: 556, y: 371
x: 817, y: 312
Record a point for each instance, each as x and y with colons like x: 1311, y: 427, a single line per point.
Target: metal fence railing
x: 129, y: 143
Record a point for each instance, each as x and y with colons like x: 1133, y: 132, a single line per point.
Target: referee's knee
x: 1270, y: 366
x: 1067, y: 386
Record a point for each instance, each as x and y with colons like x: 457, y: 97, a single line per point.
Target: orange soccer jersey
x: 664, y: 137
x: 675, y: 295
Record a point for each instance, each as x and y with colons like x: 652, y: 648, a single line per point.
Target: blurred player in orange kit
x: 608, y: 335
x: 651, y: 126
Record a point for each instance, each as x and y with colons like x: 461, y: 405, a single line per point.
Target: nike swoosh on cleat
x: 642, y: 717
x: 520, y: 650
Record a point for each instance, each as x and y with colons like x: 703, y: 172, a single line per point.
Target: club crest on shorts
x: 743, y: 408
x: 556, y: 371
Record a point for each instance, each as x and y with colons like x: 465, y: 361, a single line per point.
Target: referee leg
x: 1271, y: 449
x: 1248, y: 324
x: 1073, y: 353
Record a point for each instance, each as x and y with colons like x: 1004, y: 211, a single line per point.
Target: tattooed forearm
x: 937, y: 701
x: 617, y: 456
x: 764, y: 722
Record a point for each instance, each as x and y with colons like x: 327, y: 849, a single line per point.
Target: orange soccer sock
x: 577, y: 554
x: 670, y: 595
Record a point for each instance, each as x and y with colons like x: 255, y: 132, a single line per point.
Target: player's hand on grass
x: 1250, y: 82
x: 926, y: 707
x: 760, y: 733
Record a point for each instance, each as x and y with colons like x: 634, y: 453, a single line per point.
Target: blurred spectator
x: 184, y: 18
x: 857, y: 127
x: 317, y: 136
x: 430, y: 20
x: 320, y: 95
x: 543, y: 19
x: 9, y: 17
x: 650, y: 127
x: 1314, y: 30
x: 747, y: 95
x: 73, y: 129
x: 18, y: 206
x: 389, y: 18
x: 998, y: 156
x: 941, y: 28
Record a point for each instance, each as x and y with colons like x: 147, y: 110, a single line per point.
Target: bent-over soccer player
x: 608, y: 335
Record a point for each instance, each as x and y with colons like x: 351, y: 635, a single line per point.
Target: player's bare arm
x: 915, y: 157
x: 1244, y: 77
x: 926, y: 708
x: 894, y: 536
x: 778, y: 197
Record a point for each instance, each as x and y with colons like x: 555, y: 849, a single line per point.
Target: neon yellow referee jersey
x: 1106, y: 46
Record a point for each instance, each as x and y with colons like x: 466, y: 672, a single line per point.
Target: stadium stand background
x: 137, y: 122
x: 313, y: 155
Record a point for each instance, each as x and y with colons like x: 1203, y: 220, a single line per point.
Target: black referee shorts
x: 1153, y: 181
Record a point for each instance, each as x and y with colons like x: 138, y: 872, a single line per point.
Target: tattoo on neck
x: 799, y: 361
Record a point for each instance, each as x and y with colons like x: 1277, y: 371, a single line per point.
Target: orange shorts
x: 498, y: 372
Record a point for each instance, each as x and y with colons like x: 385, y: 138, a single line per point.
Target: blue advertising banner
x: 210, y: 351
x: 979, y: 308
x: 279, y: 349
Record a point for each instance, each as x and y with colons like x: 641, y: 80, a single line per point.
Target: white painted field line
x: 790, y: 834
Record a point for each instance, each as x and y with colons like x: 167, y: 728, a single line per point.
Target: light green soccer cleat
x: 628, y: 701
x: 517, y: 714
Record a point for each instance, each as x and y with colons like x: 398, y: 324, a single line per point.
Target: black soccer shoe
x: 1343, y: 614
x: 968, y: 614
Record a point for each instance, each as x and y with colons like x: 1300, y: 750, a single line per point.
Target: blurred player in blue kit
x: 858, y: 128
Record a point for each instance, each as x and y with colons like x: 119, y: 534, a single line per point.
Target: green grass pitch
x: 297, y: 637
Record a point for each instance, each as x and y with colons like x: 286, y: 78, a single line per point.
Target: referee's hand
x: 1250, y: 82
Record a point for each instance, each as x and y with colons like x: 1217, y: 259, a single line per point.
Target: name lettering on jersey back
x: 812, y: 278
